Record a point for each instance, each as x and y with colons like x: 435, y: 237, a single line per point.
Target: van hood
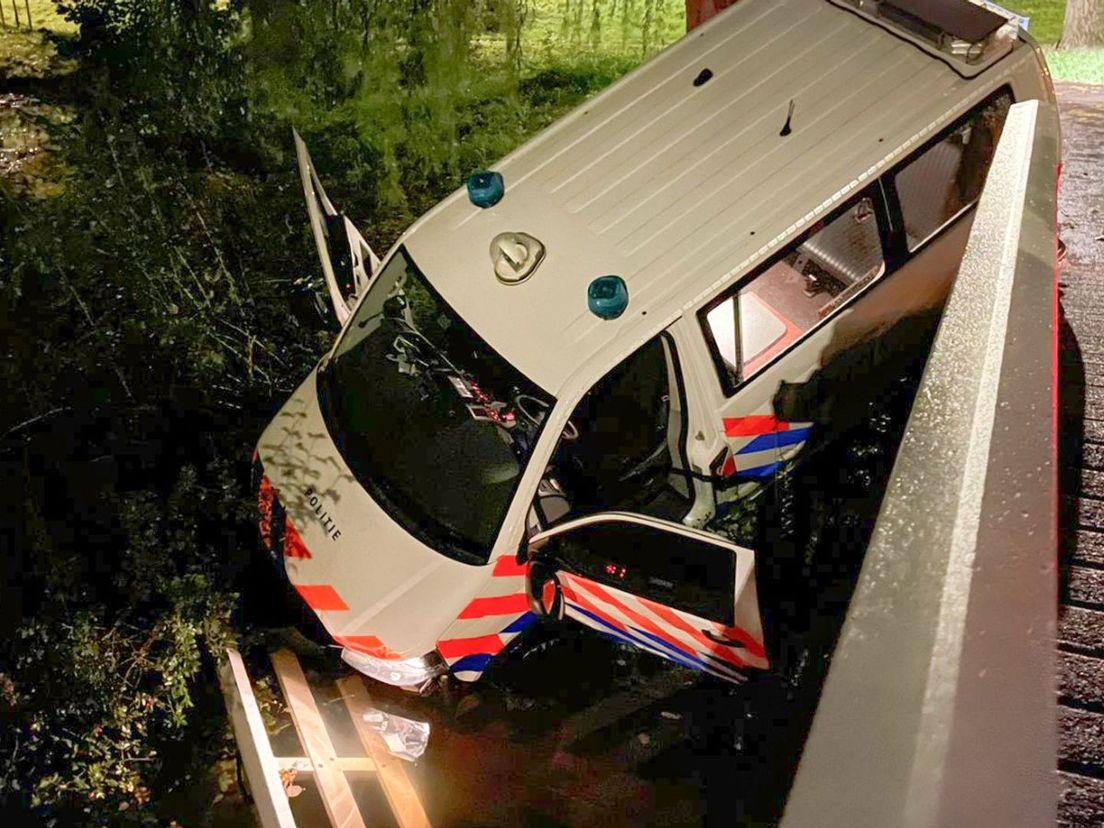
x: 375, y: 588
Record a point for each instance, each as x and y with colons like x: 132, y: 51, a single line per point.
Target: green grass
x: 44, y: 15
x: 1046, y: 17
x: 555, y: 30
x: 1076, y: 65
x: 1071, y: 65
x: 29, y: 53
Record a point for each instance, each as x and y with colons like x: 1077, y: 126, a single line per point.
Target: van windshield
x: 433, y: 423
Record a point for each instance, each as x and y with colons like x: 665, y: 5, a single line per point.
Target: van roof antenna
x: 786, y: 130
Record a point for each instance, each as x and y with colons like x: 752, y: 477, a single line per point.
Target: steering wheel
x: 657, y: 459
x: 570, y: 432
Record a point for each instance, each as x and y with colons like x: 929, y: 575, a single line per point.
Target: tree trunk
x: 1084, y: 24
x: 698, y: 11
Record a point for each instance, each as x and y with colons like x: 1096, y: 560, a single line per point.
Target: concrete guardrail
x: 940, y: 705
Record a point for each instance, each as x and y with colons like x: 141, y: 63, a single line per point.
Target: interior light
x: 608, y: 296
x: 485, y: 188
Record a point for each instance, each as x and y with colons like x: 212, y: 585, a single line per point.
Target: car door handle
x: 717, y: 638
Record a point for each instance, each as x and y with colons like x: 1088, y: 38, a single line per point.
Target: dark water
x: 571, y: 728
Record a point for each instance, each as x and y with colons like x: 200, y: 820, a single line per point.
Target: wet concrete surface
x: 1081, y: 616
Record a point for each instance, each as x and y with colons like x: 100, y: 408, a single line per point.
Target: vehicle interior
x: 777, y: 307
x: 839, y: 258
x: 616, y: 454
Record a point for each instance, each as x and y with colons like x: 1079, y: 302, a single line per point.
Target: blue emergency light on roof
x: 607, y: 297
x: 485, y: 188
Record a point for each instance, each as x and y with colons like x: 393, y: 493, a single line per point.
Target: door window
x: 747, y: 329
x: 947, y: 178
x: 617, y: 452
x: 680, y: 571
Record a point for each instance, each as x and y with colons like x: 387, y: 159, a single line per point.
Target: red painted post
x: 698, y: 11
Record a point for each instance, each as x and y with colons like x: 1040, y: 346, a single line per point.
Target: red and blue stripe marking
x: 489, y: 622
x: 767, y: 434
x: 649, y: 628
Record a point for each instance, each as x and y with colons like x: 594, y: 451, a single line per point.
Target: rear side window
x: 780, y: 304
x: 947, y: 177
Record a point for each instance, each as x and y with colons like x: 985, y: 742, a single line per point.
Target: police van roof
x: 679, y: 186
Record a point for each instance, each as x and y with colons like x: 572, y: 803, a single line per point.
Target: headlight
x: 412, y: 673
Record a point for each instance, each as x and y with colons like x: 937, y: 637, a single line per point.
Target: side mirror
x: 545, y: 591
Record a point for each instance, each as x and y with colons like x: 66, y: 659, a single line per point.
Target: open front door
x: 348, y: 263
x: 680, y: 593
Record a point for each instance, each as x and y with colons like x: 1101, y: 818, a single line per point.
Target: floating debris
x: 405, y: 738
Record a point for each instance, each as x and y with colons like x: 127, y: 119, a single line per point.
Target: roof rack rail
x: 962, y: 29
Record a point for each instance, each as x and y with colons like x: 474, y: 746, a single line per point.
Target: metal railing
x: 19, y: 21
x: 940, y: 704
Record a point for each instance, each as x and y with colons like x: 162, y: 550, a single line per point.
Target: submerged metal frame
x: 940, y: 706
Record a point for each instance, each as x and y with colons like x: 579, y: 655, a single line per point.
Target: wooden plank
x: 261, y: 767
x: 400, y: 792
x: 345, y: 764
x: 333, y: 787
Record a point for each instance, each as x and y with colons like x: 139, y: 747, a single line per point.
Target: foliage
x: 401, y: 101
x: 1046, y: 17
x: 98, y: 692
x: 148, y: 306
x: 155, y: 281
x: 1077, y: 65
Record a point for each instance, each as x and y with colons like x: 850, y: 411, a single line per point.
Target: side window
x: 789, y: 298
x: 947, y: 177
x: 682, y: 572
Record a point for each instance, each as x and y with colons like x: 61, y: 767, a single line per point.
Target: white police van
x: 556, y: 377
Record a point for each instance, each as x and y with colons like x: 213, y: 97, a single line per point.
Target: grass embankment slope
x: 609, y: 41
x: 153, y: 267
x: 1070, y: 65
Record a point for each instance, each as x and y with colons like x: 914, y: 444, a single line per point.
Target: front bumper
x: 280, y: 539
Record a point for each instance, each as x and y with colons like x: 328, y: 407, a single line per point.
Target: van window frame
x: 591, y: 564
x: 891, y: 231
x: 424, y: 528
x: 874, y: 192
x: 899, y: 237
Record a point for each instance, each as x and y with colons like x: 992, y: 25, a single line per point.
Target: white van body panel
x: 395, y: 589
x: 678, y: 188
